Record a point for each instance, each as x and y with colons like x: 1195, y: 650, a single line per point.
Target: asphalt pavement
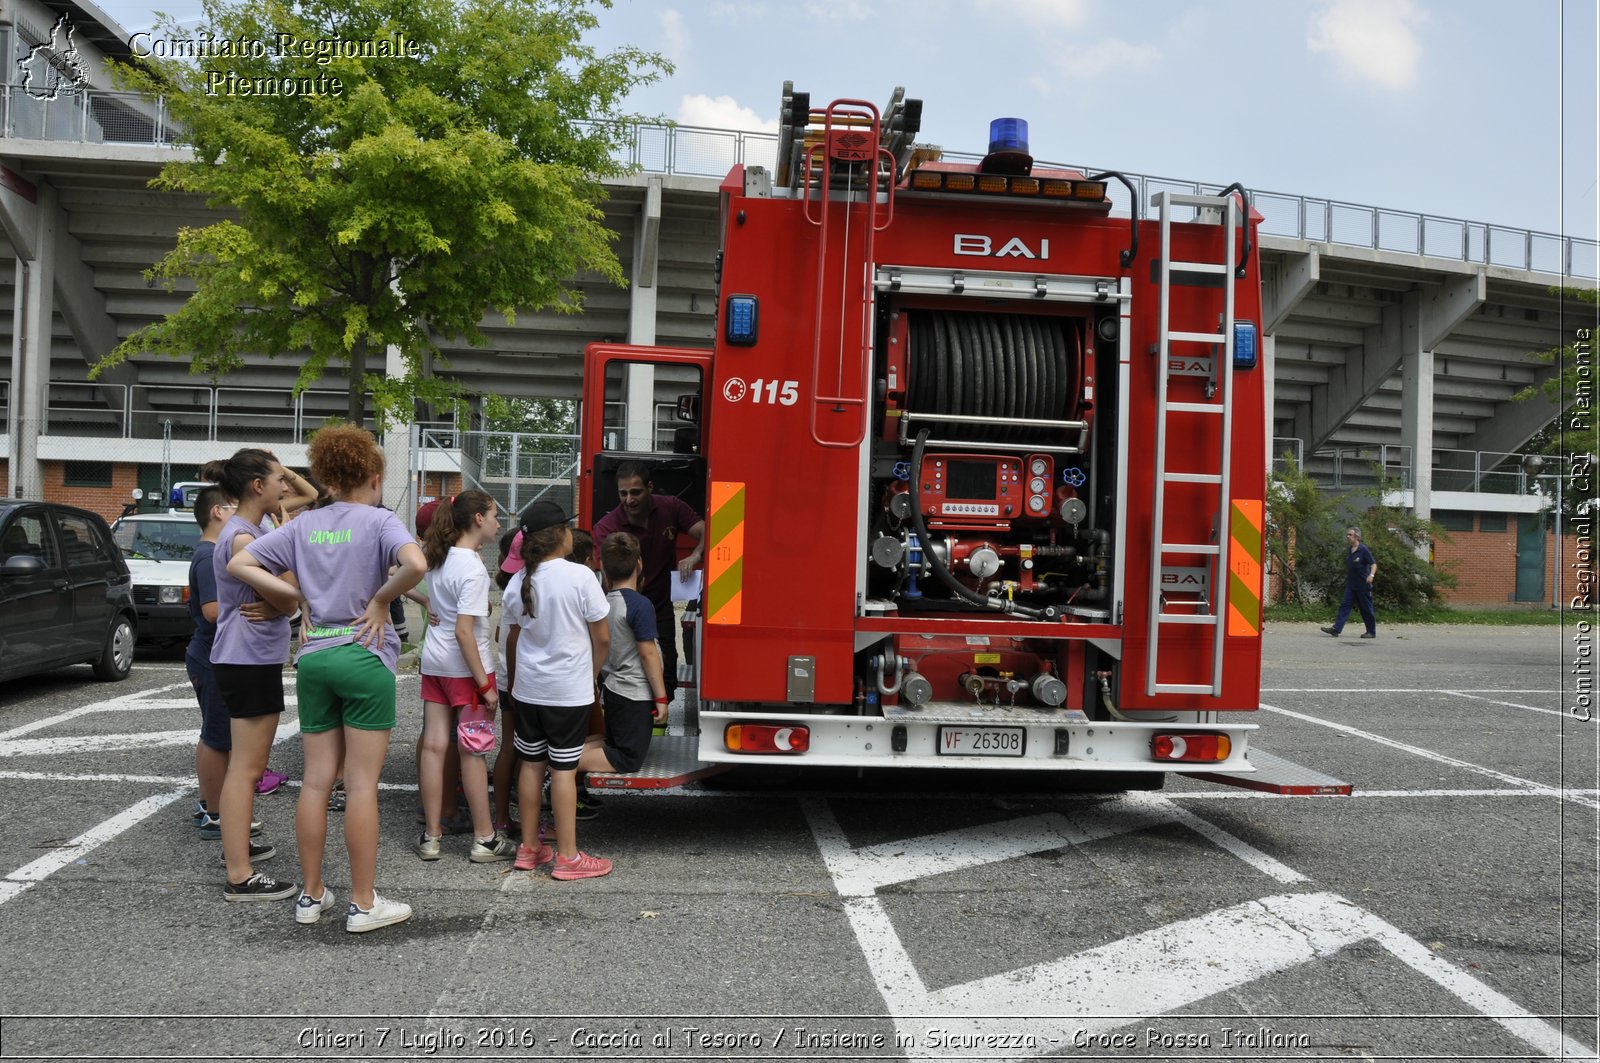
x: 1446, y: 911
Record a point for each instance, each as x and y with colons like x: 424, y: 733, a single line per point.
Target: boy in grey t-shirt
x: 635, y: 694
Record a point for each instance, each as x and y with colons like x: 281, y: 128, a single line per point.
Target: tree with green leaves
x: 1305, y: 538
x: 393, y: 171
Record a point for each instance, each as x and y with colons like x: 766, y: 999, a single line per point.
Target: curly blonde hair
x: 344, y: 457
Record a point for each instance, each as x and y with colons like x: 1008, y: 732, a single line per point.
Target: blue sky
x: 1461, y: 109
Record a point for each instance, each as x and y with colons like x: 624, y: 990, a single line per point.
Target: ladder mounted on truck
x: 1207, y: 606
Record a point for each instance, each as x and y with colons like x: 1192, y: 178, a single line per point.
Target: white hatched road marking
x: 1147, y: 974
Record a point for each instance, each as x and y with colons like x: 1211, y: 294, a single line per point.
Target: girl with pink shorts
x: 458, y: 684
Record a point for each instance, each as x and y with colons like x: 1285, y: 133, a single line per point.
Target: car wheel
x: 116, y: 660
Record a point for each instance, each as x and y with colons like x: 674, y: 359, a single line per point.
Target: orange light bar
x: 925, y: 180
x: 1203, y: 747
x: 1024, y: 186
x: 1056, y: 188
x: 960, y: 182
x: 1089, y: 190
x: 989, y: 182
x: 766, y: 738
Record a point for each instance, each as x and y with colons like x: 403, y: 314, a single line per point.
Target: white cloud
x: 1040, y: 14
x: 1098, y: 58
x: 723, y: 112
x: 1372, y: 40
x: 674, y: 35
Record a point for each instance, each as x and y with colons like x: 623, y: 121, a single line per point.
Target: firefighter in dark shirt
x: 656, y: 521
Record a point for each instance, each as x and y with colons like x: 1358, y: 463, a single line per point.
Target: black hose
x: 1244, y: 260
x: 1133, y: 196
x: 940, y: 571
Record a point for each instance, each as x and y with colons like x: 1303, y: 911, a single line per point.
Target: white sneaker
x: 309, y: 909
x: 428, y: 848
x: 382, y: 913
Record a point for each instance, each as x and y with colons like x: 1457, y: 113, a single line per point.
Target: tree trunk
x: 357, y: 410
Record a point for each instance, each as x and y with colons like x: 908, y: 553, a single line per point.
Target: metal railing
x: 105, y: 116
x: 195, y: 411
x: 91, y: 116
x: 1467, y: 471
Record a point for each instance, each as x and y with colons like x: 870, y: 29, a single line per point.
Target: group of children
x: 341, y: 562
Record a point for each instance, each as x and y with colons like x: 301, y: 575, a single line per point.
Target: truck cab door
x: 643, y: 404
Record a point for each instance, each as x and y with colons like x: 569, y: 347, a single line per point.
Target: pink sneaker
x: 581, y: 866
x: 528, y: 859
x: 271, y: 782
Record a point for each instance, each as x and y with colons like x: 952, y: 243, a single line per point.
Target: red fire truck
x: 983, y: 465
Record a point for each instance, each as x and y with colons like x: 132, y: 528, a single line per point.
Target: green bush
x: 1306, y: 539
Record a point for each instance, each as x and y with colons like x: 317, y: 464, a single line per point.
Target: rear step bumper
x: 672, y: 761
x: 1274, y: 775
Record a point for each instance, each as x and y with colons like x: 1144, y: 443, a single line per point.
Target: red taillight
x: 1205, y: 747
x: 766, y: 738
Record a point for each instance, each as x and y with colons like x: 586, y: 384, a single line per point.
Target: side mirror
x: 21, y: 565
x: 689, y: 408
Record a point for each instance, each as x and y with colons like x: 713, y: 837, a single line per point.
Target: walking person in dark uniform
x: 1360, y: 569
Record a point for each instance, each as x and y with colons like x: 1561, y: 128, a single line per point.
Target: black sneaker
x: 590, y: 798
x: 258, y: 851
x: 1330, y: 631
x: 586, y: 811
x: 259, y: 887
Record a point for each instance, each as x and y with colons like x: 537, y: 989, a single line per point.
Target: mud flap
x: 1274, y: 775
x: 672, y: 761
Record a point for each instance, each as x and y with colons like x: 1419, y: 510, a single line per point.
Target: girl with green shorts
x: 341, y: 556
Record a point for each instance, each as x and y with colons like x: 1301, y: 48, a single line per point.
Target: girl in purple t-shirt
x: 247, y: 659
x: 341, y: 556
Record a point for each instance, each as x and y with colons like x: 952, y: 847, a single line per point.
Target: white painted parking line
x: 33, y: 747
x: 1575, y: 796
x: 1367, y: 795
x: 860, y: 872
x: 1514, y: 1018
x: 1142, y: 977
x: 30, y: 875
x: 1395, y: 690
x: 1507, y: 704
x: 1257, y: 859
x: 134, y: 702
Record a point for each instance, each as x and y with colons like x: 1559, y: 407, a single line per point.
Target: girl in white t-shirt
x: 559, y: 639
x: 458, y: 683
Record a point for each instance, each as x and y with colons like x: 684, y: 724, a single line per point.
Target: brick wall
x: 1485, y: 565
x: 106, y: 501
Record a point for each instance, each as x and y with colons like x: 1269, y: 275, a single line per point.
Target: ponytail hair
x: 537, y: 548
x: 236, y: 474
x: 450, y: 521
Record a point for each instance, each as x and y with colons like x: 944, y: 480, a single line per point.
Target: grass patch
x: 1540, y: 616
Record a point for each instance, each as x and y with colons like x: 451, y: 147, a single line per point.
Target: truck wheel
x: 116, y: 659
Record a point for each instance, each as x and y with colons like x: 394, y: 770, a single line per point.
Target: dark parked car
x: 65, y: 593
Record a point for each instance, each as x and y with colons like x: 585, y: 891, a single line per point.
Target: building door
x: 1530, y: 557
